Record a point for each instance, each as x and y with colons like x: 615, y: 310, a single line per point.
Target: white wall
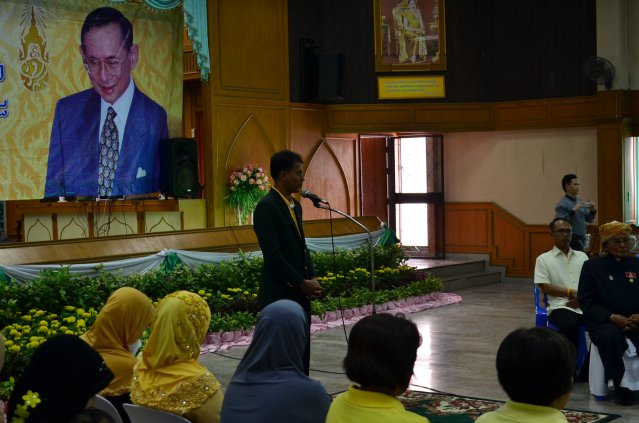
x: 618, y: 40
x: 520, y: 171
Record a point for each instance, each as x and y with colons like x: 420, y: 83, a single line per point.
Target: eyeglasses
x: 619, y: 241
x: 113, y: 66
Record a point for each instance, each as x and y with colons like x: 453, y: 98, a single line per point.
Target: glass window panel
x: 411, y: 165
x: 412, y: 221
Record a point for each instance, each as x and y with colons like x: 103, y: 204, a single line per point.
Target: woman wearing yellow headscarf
x: 609, y: 298
x: 119, y: 324
x: 168, y: 376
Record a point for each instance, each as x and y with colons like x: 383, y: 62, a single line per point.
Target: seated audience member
x: 59, y: 382
x: 270, y: 385
x: 119, y: 324
x: 557, y: 275
x: 167, y: 375
x: 382, y: 350
x: 609, y: 298
x: 535, y: 367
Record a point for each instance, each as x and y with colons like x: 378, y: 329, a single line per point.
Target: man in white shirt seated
x: 557, y: 275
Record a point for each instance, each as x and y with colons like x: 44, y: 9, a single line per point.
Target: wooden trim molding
x: 486, y: 228
x: 526, y: 114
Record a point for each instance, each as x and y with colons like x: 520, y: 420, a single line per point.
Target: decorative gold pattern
x: 33, y: 52
x: 185, y: 396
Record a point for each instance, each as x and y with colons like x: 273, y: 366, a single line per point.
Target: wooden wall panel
x: 508, y: 241
x: 250, y: 48
x: 486, y: 228
x: 467, y: 226
x: 241, y: 135
x: 331, y: 173
x: 539, y: 242
x: 547, y: 113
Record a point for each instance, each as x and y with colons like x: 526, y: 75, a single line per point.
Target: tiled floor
x: 457, y: 353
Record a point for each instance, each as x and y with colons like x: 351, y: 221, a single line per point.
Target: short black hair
x: 555, y: 220
x: 282, y: 161
x: 382, y: 350
x: 104, y: 16
x: 536, y: 365
x: 566, y: 180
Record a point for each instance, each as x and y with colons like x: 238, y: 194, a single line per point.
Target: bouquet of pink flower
x: 247, y: 186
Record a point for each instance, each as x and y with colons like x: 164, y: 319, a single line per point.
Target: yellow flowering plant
x: 30, y: 330
x: 246, y: 187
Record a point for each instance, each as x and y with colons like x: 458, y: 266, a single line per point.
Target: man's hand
x: 627, y: 324
x: 311, y: 288
x: 572, y: 302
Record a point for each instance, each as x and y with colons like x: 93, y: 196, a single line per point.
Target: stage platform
x: 460, y: 271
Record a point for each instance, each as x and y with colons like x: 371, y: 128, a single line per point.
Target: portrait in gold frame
x: 410, y: 35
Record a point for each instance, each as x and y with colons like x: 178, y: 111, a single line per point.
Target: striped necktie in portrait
x: 109, y: 154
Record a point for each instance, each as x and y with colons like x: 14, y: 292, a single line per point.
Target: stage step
x: 457, y: 275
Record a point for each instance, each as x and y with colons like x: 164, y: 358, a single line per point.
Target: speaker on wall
x: 178, y: 167
x: 330, y: 87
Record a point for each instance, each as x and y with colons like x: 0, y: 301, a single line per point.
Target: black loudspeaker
x: 331, y: 78
x: 178, y: 167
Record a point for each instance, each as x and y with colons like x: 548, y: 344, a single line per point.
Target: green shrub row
x: 63, y: 302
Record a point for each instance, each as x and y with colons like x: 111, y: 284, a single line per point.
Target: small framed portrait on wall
x: 410, y: 35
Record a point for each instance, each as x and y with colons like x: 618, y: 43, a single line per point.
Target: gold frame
x: 393, y: 56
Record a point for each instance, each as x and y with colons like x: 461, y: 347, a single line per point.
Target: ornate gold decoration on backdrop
x: 33, y: 54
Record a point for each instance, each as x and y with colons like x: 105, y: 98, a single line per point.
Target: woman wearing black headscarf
x: 63, y: 376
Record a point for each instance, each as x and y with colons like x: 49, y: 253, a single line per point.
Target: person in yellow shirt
x: 382, y: 350
x: 535, y: 367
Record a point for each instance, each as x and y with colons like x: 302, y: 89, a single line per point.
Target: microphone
x: 313, y: 197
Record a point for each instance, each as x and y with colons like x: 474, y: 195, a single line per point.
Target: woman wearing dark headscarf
x: 270, y: 385
x: 609, y: 297
x: 60, y: 380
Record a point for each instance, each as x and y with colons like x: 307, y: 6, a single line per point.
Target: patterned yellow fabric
x: 611, y: 230
x: 120, y: 323
x: 167, y: 375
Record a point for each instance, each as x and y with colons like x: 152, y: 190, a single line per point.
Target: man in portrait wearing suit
x: 105, y: 140
x: 288, y: 270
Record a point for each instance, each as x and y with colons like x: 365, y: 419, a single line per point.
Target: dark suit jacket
x: 74, y: 147
x: 287, y: 261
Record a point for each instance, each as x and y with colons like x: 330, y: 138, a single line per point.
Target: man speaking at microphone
x: 277, y: 221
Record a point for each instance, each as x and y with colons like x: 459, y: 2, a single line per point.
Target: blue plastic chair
x: 541, y: 319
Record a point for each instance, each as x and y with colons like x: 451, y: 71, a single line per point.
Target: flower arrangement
x: 247, y: 186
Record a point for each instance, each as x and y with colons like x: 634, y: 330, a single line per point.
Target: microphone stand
x: 326, y: 206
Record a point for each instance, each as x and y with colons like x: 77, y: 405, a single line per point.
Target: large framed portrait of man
x: 410, y: 35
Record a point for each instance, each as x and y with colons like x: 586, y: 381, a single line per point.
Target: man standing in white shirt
x: 557, y: 275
